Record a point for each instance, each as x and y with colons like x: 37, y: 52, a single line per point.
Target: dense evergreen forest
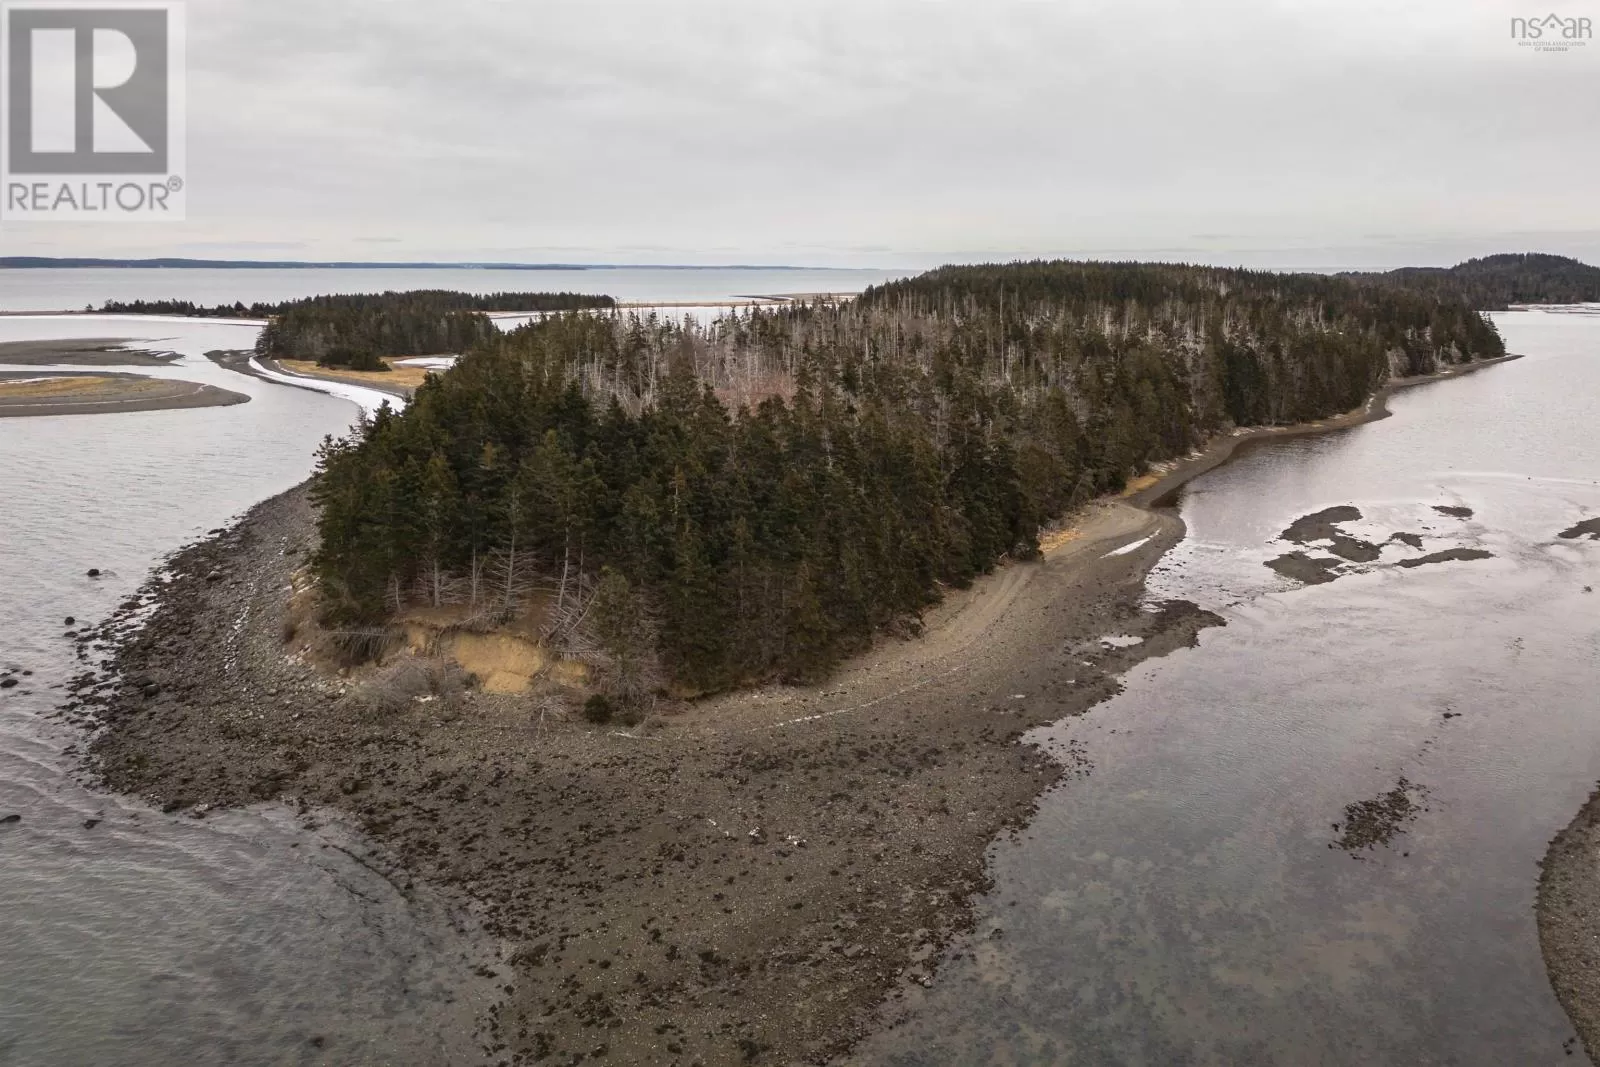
x: 358, y: 331
x: 185, y: 308
x: 708, y: 506
x: 1494, y: 283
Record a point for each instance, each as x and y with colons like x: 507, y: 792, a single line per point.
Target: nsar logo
x: 1553, y: 33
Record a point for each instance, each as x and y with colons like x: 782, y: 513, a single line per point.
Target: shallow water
x: 158, y: 939
x: 1179, y: 903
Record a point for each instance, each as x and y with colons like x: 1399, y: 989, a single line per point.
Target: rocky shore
x: 740, y: 880
x: 1569, y: 921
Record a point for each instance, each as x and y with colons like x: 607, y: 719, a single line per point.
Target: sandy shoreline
x: 399, y: 381
x: 239, y: 362
x: 742, y: 881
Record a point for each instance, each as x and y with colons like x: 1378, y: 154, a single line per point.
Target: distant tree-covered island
x: 444, y: 299
x: 1495, y: 283
x: 755, y: 498
x: 357, y: 331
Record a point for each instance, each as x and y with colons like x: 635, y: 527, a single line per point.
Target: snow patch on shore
x: 369, y: 400
x: 1125, y: 549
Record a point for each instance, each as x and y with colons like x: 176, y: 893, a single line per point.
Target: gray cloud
x: 893, y: 133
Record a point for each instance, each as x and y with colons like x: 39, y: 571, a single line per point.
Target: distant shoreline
x: 770, y: 300
x: 55, y: 263
x: 1220, y: 450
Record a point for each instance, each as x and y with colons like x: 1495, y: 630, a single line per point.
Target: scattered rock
x: 8, y: 820
x: 1354, y: 549
x: 94, y: 572
x: 1446, y: 556
x: 1310, y: 570
x: 1454, y: 512
x: 1588, y: 527
x: 1369, y: 823
x: 8, y: 683
x: 1414, y: 540
x: 1320, y: 525
x: 1323, y: 526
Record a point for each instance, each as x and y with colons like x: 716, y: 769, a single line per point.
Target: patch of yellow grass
x: 1141, y: 483
x: 396, y: 377
x: 1053, y: 540
x: 26, y: 388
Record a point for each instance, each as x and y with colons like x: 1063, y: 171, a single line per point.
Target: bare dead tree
x: 513, y: 575
x: 437, y: 587
x: 475, y: 578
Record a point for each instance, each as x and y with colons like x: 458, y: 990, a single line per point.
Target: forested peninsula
x: 703, y: 507
x: 1495, y: 283
x: 605, y: 511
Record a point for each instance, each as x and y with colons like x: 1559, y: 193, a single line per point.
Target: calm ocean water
x: 1181, y: 904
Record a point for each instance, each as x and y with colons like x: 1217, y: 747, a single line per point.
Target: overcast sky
x: 862, y: 133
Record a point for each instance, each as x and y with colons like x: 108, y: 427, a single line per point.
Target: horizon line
x: 184, y: 262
